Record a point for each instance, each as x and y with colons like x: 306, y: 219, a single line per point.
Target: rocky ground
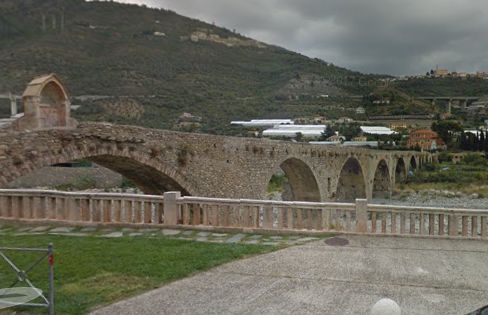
x: 436, y: 198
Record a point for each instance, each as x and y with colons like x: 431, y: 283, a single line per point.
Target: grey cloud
x: 379, y: 36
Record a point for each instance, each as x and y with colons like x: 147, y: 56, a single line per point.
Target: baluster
x: 137, y: 212
x: 299, y: 220
x: 148, y: 212
x: 16, y: 207
x: 197, y: 214
x: 37, y: 209
x: 452, y: 225
x: 373, y: 221
x: 27, y: 207
x: 348, y: 220
x: 205, y: 217
x: 309, y: 222
x: 60, y: 208
x: 213, y: 215
x: 117, y: 211
x: 413, y: 218
x: 441, y: 224
x: 255, y: 216
x: 4, y: 206
x: 325, y: 219
x: 94, y: 213
x: 289, y: 218
x: 268, y: 217
x: 186, y: 214
x: 393, y: 222
x: 106, y: 210
x: 384, y: 216
x: 159, y: 213
x: 73, y: 209
x: 91, y: 211
x: 474, y: 226
x: 332, y: 219
x: 484, y: 226
x: 128, y: 211
x: 226, y: 215
x: 421, y: 223
x: 431, y: 224
x: 464, y: 221
x: 249, y: 216
x: 318, y: 220
x: 281, y: 217
x: 403, y: 222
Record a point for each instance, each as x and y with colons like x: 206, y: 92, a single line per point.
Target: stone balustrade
x: 173, y: 210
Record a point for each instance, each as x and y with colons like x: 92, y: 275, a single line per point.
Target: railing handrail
x: 245, y: 202
x: 257, y: 202
x: 40, y: 192
x: 376, y: 207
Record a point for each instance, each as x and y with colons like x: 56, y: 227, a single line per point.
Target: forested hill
x: 165, y: 62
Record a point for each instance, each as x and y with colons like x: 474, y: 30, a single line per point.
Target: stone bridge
x: 195, y: 164
x: 208, y: 165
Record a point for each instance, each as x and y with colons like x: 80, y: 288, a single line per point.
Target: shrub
x: 445, y: 157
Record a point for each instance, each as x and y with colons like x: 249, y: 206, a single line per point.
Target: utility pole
x: 43, y: 22
x: 13, y: 105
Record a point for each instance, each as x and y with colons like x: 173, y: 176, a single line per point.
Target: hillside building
x: 426, y: 140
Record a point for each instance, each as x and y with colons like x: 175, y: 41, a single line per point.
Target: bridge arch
x: 351, y: 184
x: 301, y: 180
x: 413, y: 163
x: 400, y: 171
x: 150, y: 174
x: 381, y: 182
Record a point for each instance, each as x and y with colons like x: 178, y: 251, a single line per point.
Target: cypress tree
x: 481, y: 144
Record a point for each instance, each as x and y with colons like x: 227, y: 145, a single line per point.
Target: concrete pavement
x: 424, y: 276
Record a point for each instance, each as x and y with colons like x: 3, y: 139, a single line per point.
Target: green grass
x: 91, y: 271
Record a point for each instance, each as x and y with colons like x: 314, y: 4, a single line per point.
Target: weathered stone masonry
x: 207, y: 165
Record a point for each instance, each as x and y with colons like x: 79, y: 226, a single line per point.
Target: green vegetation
x: 93, y: 271
x: 277, y: 182
x: 97, y: 54
x: 396, y: 102
x: 444, y: 87
x: 469, y: 176
x: 80, y: 183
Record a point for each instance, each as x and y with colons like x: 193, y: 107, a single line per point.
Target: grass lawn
x: 91, y: 271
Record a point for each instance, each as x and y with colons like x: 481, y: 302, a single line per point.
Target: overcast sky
x: 379, y: 36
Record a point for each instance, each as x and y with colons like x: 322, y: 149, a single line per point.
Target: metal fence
x: 22, y: 276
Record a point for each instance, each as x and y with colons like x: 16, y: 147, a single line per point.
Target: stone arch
x: 413, y: 163
x: 301, y: 179
x: 400, y: 171
x: 46, y: 105
x: 351, y: 184
x: 151, y: 174
x: 381, y: 182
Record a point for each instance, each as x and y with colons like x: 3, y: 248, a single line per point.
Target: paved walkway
x: 423, y: 276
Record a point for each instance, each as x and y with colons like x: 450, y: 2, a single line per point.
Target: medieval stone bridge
x: 195, y: 164
x: 208, y: 165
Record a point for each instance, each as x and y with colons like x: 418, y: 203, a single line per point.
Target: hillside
x: 444, y: 86
x: 166, y: 63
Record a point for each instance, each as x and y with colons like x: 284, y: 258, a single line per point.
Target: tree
x: 481, y: 143
x: 446, y: 129
x: 299, y: 137
x: 327, y: 133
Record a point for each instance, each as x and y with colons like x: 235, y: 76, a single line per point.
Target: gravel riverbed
x: 435, y: 200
